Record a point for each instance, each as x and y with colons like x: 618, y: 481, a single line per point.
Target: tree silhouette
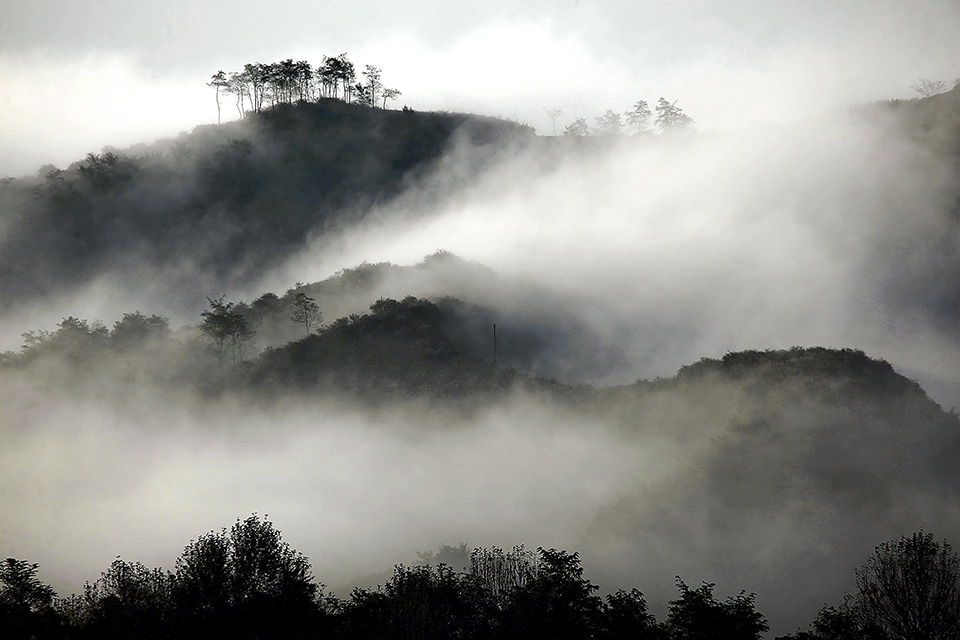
x: 389, y: 94
x: 910, y: 588
x: 698, y: 615
x: 25, y: 602
x: 625, y: 615
x: 426, y: 602
x: 305, y: 311
x: 557, y: 602
x: 373, y: 86
x: 246, y: 580
x: 219, y: 81
x: 224, y: 326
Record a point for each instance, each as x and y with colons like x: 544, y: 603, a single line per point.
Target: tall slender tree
x: 219, y: 81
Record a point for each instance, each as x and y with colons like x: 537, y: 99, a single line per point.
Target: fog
x: 81, y: 76
x: 839, y: 232
x: 86, y: 480
x: 660, y: 250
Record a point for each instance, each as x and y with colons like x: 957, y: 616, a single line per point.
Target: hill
x: 224, y: 202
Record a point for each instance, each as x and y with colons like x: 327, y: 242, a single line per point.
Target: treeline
x: 635, y: 121
x: 246, y: 582
x: 412, y: 346
x: 260, y: 85
x: 400, y: 347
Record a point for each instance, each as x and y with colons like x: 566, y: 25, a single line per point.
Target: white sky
x: 81, y: 74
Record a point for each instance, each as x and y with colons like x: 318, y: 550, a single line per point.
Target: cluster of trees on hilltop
x: 261, y: 85
x: 636, y: 121
x: 246, y: 582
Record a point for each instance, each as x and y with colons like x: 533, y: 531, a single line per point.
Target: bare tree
x: 553, y: 114
x: 910, y: 588
x: 927, y: 88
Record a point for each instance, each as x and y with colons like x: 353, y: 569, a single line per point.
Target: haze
x: 75, y: 78
x: 788, y: 217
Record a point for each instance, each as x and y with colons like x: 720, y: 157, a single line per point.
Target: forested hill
x: 228, y: 199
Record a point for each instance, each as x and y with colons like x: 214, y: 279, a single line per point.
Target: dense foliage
x: 246, y: 582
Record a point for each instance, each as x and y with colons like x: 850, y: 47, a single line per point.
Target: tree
x: 670, y: 117
x: 219, y: 81
x: 373, y: 85
x: 426, y: 601
x: 500, y: 572
x: 25, y: 602
x: 246, y: 580
x: 135, y: 329
x: 625, y: 615
x: 20, y: 589
x: 305, y: 311
x: 927, y: 88
x: 255, y: 77
x: 638, y: 119
x: 457, y: 558
x: 203, y: 577
x: 577, y: 128
x: 553, y: 114
x: 609, y: 124
x: 127, y: 601
x: 237, y: 85
x: 557, y: 602
x: 360, y: 94
x: 224, y: 326
x: 910, y: 589
x: 698, y: 615
x: 390, y: 94
x: 337, y: 72
x: 837, y: 623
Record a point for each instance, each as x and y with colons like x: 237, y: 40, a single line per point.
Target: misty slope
x: 774, y: 471
x: 786, y: 464
x: 218, y: 205
x: 540, y: 332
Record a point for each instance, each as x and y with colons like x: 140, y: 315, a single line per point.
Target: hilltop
x: 227, y: 200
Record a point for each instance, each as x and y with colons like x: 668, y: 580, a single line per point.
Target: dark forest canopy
x: 246, y: 582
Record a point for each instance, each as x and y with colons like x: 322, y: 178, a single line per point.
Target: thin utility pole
x: 494, y: 345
